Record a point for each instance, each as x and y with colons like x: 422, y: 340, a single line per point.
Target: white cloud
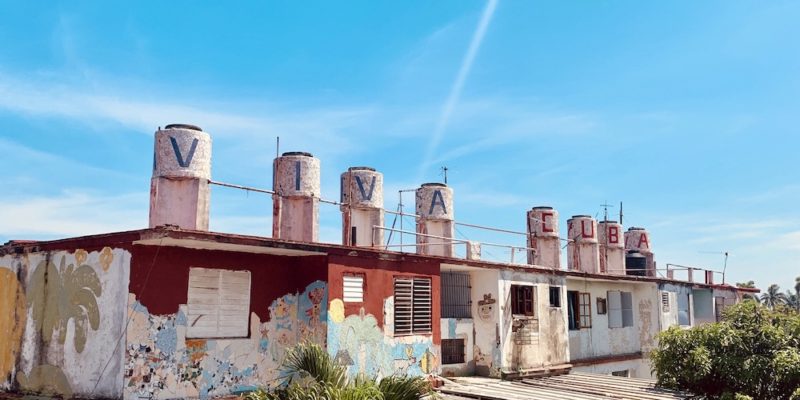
x: 72, y: 213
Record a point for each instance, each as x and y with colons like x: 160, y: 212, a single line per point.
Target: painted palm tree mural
x: 60, y: 294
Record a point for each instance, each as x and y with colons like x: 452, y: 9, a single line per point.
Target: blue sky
x: 686, y: 111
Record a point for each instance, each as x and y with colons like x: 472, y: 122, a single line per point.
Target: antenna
x: 725, y: 263
x: 620, y: 213
x: 605, y: 206
x: 444, y: 172
x: 277, y: 146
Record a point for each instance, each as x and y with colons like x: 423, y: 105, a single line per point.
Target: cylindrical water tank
x: 637, y: 239
x: 635, y: 264
x: 297, y: 175
x: 362, y: 187
x: 582, y: 229
x: 182, y: 151
x: 610, y: 234
x: 543, y: 222
x: 434, y: 202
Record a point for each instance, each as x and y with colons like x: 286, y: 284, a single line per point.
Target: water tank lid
x: 297, y: 153
x: 542, y: 208
x: 361, y: 169
x: 183, y: 126
x: 581, y: 216
x: 635, y: 228
x: 434, y: 184
x: 608, y: 221
x: 635, y: 254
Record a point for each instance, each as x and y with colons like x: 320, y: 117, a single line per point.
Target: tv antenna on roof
x: 605, y: 206
x: 444, y: 172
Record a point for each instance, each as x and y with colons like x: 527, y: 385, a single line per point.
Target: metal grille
x: 456, y: 299
x: 452, y: 351
x: 412, y: 306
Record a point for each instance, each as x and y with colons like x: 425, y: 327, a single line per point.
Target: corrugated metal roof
x: 574, y: 386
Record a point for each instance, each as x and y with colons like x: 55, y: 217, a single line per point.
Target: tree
x: 748, y: 284
x: 773, y: 296
x: 754, y: 351
x: 311, y: 374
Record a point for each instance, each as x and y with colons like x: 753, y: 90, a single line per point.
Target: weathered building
x: 177, y: 311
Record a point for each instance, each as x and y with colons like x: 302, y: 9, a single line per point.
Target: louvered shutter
x: 353, y: 290
x: 412, y: 306
x: 422, y: 306
x: 218, y: 303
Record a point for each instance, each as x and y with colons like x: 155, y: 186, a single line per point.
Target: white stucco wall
x: 600, y: 340
x: 542, y: 340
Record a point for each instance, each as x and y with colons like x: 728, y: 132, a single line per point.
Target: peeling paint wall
x: 600, y: 340
x: 65, y: 315
x: 288, y: 304
x: 361, y: 335
x: 161, y: 362
x: 529, y: 343
x: 683, y: 295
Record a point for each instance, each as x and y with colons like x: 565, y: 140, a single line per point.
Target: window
x: 624, y: 373
x: 218, y: 303
x: 412, y: 306
x: 452, y: 351
x: 585, y: 310
x: 522, y: 302
x: 601, y: 306
x: 573, y: 318
x: 353, y: 288
x: 579, y: 310
x: 665, y: 302
x: 456, y: 301
x: 620, y: 309
x: 555, y: 296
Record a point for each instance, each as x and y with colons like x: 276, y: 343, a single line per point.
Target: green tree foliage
x: 773, y: 297
x: 753, y: 351
x: 311, y: 374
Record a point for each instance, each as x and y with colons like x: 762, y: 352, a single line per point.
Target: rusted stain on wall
x: 13, y: 314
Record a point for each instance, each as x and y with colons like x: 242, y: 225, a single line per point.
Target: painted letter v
x: 183, y: 163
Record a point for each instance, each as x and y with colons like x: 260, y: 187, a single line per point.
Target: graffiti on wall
x: 160, y: 362
x: 486, y: 307
x: 358, y: 342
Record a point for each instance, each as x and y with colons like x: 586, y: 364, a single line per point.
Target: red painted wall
x: 160, y: 275
x: 379, y: 283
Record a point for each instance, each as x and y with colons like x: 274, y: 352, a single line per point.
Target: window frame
x: 557, y: 291
x: 363, y: 286
x: 602, y: 306
x: 225, y: 296
x: 416, y: 318
x: 585, y: 309
x: 523, y: 300
x: 451, y: 344
x: 451, y: 289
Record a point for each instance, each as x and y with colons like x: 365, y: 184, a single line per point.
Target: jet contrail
x: 455, y: 91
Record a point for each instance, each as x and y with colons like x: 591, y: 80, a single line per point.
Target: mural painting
x: 357, y: 342
x: 59, y: 329
x: 486, y: 307
x: 162, y: 363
